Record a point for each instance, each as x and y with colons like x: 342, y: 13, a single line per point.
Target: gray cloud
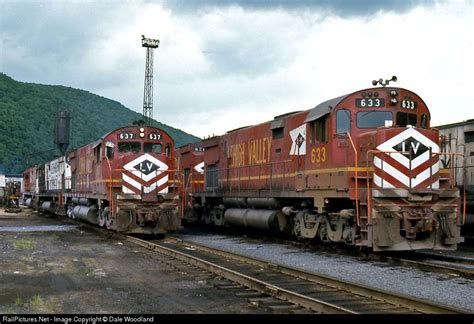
x: 224, y: 64
x: 44, y: 41
x: 343, y: 8
x: 237, y: 44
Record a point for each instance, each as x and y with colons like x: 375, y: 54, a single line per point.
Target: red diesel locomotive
x: 124, y: 181
x: 364, y: 169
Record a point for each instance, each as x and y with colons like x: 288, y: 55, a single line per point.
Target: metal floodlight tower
x: 150, y: 44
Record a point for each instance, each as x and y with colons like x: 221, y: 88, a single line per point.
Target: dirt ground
x: 54, y: 268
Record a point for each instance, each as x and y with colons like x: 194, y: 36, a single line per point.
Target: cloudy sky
x: 226, y: 64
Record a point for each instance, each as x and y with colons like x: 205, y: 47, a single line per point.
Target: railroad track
x: 427, y: 261
x: 450, y: 265
x: 263, y: 282
x: 439, y: 263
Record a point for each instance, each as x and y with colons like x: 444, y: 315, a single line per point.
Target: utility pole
x: 150, y: 44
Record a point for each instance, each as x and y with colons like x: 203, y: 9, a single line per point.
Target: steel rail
x: 245, y: 280
x: 404, y: 302
x: 427, y: 263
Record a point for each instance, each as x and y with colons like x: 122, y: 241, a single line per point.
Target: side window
x: 468, y: 137
x: 98, y: 153
x: 343, y: 121
x: 320, y: 127
x: 167, y: 149
x: 278, y: 132
x: 424, y: 121
x: 109, y: 150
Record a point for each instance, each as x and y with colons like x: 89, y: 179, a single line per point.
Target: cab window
x: 98, y: 153
x: 134, y: 147
x: 109, y: 150
x: 278, y: 132
x: 404, y: 119
x: 343, y: 121
x: 373, y: 119
x: 152, y: 148
x: 424, y: 121
x: 320, y: 129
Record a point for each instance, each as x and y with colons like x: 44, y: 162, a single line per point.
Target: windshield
x: 134, y: 147
x: 152, y: 147
x: 373, y: 119
x: 404, y: 119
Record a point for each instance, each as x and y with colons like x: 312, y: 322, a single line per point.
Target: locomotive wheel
x: 102, y: 219
x: 106, y: 216
x: 69, y: 212
x: 108, y: 222
x: 207, y: 218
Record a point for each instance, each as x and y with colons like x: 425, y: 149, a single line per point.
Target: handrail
x: 185, y: 185
x: 356, y: 167
x: 110, y: 185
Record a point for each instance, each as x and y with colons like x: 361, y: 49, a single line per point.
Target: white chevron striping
x: 132, y: 182
x: 384, y: 184
x: 397, y: 174
x: 403, y: 159
x: 392, y: 171
x: 126, y: 190
x: 156, y: 185
x: 130, y: 166
x: 146, y: 189
x: 422, y: 176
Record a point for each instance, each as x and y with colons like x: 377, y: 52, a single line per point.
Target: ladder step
x: 363, y: 177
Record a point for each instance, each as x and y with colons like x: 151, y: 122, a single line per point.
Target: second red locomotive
x: 363, y: 169
x: 124, y: 181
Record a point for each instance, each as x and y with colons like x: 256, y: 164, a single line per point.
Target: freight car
x: 124, y: 181
x: 361, y: 169
x: 459, y: 138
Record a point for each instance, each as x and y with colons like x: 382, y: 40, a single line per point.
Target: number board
x: 408, y: 104
x: 154, y: 136
x: 126, y: 136
x: 370, y: 102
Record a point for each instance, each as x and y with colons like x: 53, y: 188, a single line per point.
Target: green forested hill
x: 27, y: 114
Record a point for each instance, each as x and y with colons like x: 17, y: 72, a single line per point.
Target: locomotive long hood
x: 408, y: 158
